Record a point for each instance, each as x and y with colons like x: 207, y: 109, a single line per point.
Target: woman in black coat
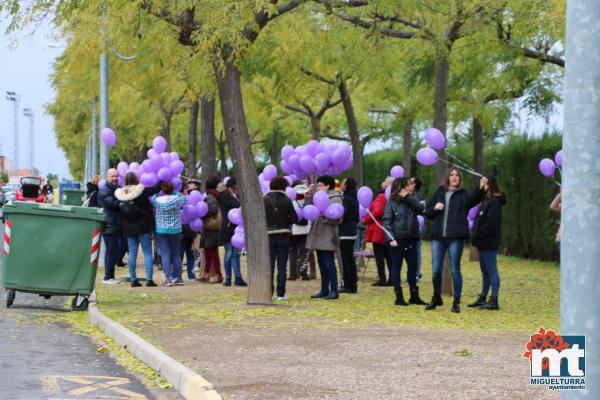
x: 448, y: 209
x: 485, y: 235
x: 402, y: 235
x: 138, y: 223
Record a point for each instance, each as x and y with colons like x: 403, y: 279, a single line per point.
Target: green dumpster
x: 72, y: 197
x: 51, y: 250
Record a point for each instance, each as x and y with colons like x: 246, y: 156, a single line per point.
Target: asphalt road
x: 46, y: 360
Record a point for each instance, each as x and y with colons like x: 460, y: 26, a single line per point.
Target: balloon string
x: 559, y: 185
x: 467, y: 170
x: 380, y: 226
x: 459, y: 161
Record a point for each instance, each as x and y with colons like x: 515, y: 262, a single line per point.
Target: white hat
x: 301, y: 189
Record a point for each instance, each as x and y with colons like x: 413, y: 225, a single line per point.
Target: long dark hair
x: 397, y: 186
x: 494, y: 187
x: 446, y: 183
x: 131, y: 179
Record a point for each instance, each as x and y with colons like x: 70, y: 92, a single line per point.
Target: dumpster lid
x: 53, y: 210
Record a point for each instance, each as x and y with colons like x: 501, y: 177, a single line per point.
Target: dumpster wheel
x: 83, y: 303
x: 10, y: 297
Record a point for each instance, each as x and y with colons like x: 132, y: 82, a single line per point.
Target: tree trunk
x: 240, y: 151
x: 223, y: 156
x: 275, y: 136
x: 357, y: 159
x: 315, y: 126
x: 193, y: 138
x: 207, y: 127
x: 165, y: 131
x: 440, y: 120
x: 477, y: 145
x: 407, y: 145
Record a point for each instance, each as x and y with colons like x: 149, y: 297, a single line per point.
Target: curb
x: 187, y: 382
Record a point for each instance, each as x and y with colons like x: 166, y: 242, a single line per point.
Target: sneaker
x: 112, y: 281
x: 168, y: 283
x: 227, y: 282
x: 151, y: 283
x: 191, y: 277
x: 178, y: 282
x: 281, y: 298
x: 135, y: 283
x: 239, y: 281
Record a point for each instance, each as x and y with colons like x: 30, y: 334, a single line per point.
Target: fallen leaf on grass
x: 463, y: 352
x: 102, y: 350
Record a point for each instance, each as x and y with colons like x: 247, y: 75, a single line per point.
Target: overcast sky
x: 26, y: 70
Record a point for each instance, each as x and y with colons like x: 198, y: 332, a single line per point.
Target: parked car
x: 31, y: 190
x: 2, y: 198
x: 9, y: 193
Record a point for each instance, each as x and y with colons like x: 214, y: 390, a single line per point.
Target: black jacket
x: 485, y: 234
x: 280, y: 213
x: 145, y: 223
x: 461, y: 201
x: 351, y: 218
x: 400, y: 218
x: 228, y: 202
x: 92, y: 194
x: 110, y: 204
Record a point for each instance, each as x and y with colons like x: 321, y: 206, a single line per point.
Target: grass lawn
x: 529, y: 298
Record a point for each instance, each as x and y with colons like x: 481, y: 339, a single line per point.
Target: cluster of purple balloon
x: 235, y: 216
x: 194, y: 210
x: 160, y: 166
x: 365, y: 197
x: 316, y: 158
x: 436, y: 141
x: 320, y: 206
x: 472, y: 215
x: 108, y: 136
x: 270, y: 172
x: 548, y: 166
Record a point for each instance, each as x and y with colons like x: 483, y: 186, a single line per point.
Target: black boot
x: 436, y: 300
x: 380, y: 282
x: 492, y: 304
x: 400, y: 298
x: 478, y: 303
x: 414, y: 297
x: 456, y: 305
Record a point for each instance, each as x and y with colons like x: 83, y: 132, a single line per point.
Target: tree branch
x: 317, y: 76
x: 336, y: 137
x: 544, y: 57
x: 382, y: 111
x: 294, y: 108
x: 369, y: 25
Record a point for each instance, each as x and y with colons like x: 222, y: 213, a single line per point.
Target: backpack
x: 129, y: 210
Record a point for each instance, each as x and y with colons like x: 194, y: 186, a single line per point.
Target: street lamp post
x: 15, y: 99
x: 30, y: 147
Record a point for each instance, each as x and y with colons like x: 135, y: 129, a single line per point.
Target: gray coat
x: 323, y: 233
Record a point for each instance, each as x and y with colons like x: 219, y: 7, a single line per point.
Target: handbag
x: 213, y: 223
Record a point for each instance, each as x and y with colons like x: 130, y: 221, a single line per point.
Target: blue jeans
x: 170, y: 252
x: 279, y: 248
x: 419, y: 258
x: 111, y: 254
x: 329, y: 282
x: 145, y: 240
x: 406, y: 249
x: 489, y: 271
x: 438, y: 251
x: 232, y: 259
x: 186, y: 250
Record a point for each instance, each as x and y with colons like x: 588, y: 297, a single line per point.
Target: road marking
x: 88, y: 384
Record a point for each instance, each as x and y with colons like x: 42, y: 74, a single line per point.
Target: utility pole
x: 30, y: 147
x: 580, y: 244
x: 94, y: 135
x: 104, y: 122
x: 15, y: 99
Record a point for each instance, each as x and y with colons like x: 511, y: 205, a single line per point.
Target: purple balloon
x: 547, y: 167
x: 176, y: 167
x: 239, y: 229
x: 195, y: 197
x: 312, y: 148
x: 291, y: 193
x: 174, y: 155
x: 146, y: 166
x: 339, y: 157
x: 473, y: 212
x: 287, y: 151
x: 164, y: 174
x: 238, y: 241
x: 299, y: 213
x: 365, y: 196
x: 235, y: 216
x: 307, y: 164
x: 190, y: 211
x: 155, y: 162
x: 301, y: 150
x: 558, y: 158
x: 201, y: 209
x: 269, y: 172
x: 285, y: 167
x: 150, y: 153
x: 362, y: 211
x: 435, y: 139
x: 176, y: 182
x: 108, y: 136
x: 149, y: 179
x: 421, y: 221
x: 322, y: 161
x: 321, y: 201
x: 310, y: 212
x: 294, y: 162
x: 196, y: 225
x: 101, y: 183
x: 397, y: 172
x: 159, y: 144
x: 166, y: 159
x: 334, y: 211
x: 289, y: 180
x: 470, y: 222
x: 122, y: 167
x: 388, y: 192
x: 427, y: 156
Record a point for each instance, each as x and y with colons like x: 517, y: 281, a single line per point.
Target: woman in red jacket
x: 376, y: 236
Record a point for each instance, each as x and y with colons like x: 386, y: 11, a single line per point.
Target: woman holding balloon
x: 402, y: 235
x: 210, y: 234
x: 229, y: 201
x: 448, y: 209
x: 323, y: 236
